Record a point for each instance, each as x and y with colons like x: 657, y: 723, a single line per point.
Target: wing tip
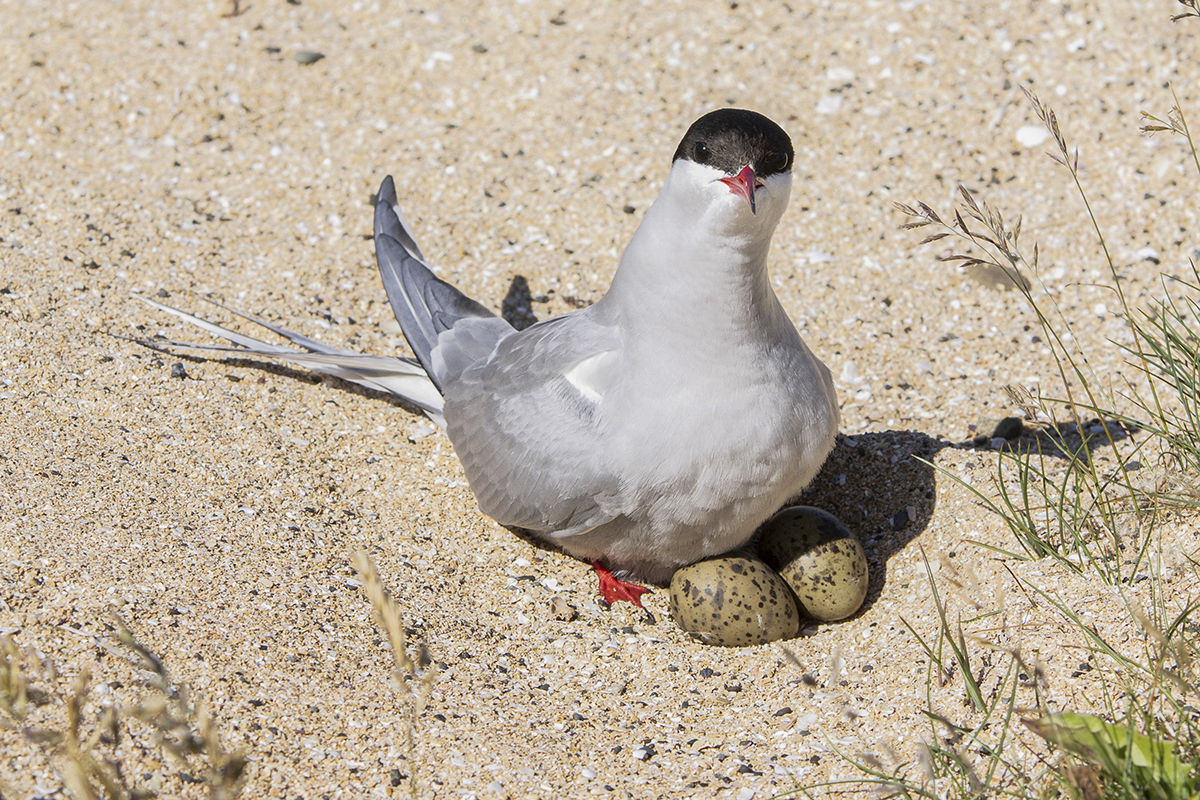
x: 387, y: 192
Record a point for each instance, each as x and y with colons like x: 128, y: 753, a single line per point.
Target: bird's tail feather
x: 399, y: 376
x: 424, y: 305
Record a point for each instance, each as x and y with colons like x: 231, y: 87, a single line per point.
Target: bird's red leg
x: 613, y: 589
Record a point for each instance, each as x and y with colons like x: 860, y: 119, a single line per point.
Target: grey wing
x: 532, y: 444
x: 446, y: 329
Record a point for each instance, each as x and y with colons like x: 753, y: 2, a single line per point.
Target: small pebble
x: 179, y: 371
x: 829, y: 104
x: 996, y: 277
x: 1032, y: 135
x: 989, y: 428
x: 561, y: 610
x: 515, y: 308
x: 420, y: 431
x: 1146, y: 254
x: 1009, y: 428
x: 306, y: 57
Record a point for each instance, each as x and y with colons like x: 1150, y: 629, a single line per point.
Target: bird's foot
x: 613, y: 589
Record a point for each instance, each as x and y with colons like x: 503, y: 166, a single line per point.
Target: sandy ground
x: 168, y: 150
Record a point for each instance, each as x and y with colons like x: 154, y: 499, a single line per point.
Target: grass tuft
x: 1074, y: 491
x: 414, y: 672
x: 85, y: 746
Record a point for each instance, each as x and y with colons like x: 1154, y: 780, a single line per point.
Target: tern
x: 659, y: 426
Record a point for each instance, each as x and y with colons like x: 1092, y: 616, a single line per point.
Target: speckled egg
x: 733, y: 600
x: 819, y: 558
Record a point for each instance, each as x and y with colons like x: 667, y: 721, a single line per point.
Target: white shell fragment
x: 1032, y: 135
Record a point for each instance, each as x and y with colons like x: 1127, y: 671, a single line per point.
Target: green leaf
x: 1117, y: 750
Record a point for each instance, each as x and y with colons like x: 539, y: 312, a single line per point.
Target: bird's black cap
x: 732, y: 138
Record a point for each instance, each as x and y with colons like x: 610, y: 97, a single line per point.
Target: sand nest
x: 171, y: 150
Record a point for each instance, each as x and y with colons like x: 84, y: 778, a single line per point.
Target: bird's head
x: 735, y: 166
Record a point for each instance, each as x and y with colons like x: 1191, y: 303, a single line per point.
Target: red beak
x: 743, y: 185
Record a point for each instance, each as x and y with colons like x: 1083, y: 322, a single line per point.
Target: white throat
x: 700, y: 250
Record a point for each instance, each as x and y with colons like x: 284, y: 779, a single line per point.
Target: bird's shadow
x: 882, y: 486
x: 879, y: 484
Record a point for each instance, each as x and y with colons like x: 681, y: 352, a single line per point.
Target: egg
x: 819, y: 558
x: 733, y: 600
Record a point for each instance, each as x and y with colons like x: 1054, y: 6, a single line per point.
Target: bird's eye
x: 700, y: 153
x: 776, y: 162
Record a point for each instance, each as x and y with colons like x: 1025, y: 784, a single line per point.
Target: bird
x: 662, y: 424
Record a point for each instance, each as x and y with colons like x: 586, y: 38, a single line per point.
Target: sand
x: 170, y: 150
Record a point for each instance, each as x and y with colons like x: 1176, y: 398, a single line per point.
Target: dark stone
x: 989, y: 428
x: 518, y: 304
x: 1009, y: 428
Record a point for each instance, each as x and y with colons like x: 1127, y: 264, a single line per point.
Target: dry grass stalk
x: 413, y: 674
x: 1140, y: 738
x: 85, y: 750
